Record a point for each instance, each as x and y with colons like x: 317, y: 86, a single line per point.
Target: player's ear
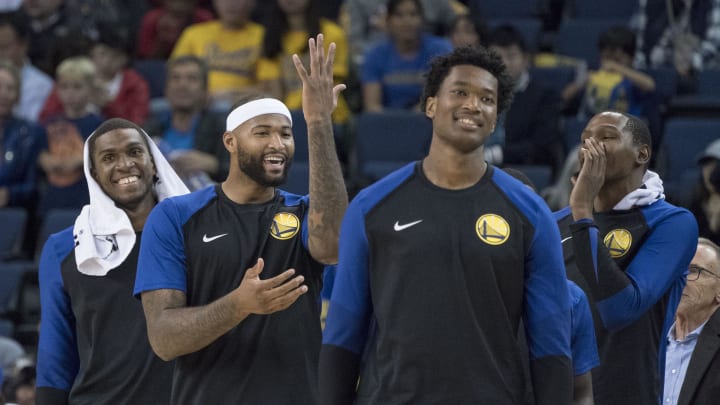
x: 430, y: 104
x: 643, y: 155
x: 229, y: 141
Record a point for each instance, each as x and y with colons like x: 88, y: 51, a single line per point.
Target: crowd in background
x: 67, y: 65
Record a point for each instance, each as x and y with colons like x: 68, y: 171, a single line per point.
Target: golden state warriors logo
x: 284, y: 226
x: 618, y: 242
x: 492, y: 229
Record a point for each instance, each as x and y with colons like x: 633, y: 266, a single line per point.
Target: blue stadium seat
x: 578, y: 38
x: 539, y: 175
x: 709, y: 82
x: 528, y: 27
x: 298, y: 179
x: 573, y: 131
x: 54, y: 221
x: 386, y: 141
x: 684, y: 139
x: 493, y: 9
x: 554, y: 77
x: 153, y: 71
x: 594, y: 9
x: 14, y: 221
x: 11, y: 278
x: 300, y: 134
x: 6, y: 329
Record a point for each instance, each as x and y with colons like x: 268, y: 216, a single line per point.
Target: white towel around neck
x: 103, y: 233
x: 651, y: 190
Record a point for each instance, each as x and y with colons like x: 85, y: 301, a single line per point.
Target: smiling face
x: 123, y: 167
x: 464, y: 110
x: 263, y: 148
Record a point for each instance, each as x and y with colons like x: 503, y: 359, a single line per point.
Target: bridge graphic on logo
x: 284, y: 226
x: 492, y: 229
x: 618, y: 242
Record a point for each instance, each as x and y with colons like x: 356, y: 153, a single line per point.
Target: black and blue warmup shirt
x: 431, y: 287
x: 201, y: 244
x: 632, y: 265
x: 93, y: 345
x: 584, y: 346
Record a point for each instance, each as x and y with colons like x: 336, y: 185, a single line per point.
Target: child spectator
x: 161, y: 27
x: 66, y: 132
x: 122, y: 93
x: 616, y: 85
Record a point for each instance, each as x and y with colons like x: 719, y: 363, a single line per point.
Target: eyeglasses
x: 694, y: 272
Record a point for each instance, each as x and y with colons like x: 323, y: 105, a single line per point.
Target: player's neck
x: 613, y: 191
x: 243, y: 190
x: 455, y: 172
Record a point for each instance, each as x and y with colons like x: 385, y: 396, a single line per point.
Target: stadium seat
x: 539, y: 175
x: 593, y: 9
x: 153, y: 71
x: 573, y: 130
x: 54, y: 221
x: 298, y: 179
x: 388, y: 140
x: 529, y: 28
x: 6, y: 328
x: 14, y: 221
x: 684, y: 139
x: 300, y: 134
x: 554, y: 77
x: 493, y: 9
x: 578, y: 38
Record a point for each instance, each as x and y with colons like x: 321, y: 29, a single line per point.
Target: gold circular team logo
x: 284, y: 226
x: 618, y: 242
x: 492, y: 229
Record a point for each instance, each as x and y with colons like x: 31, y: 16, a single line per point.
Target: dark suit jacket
x: 702, y: 380
x: 532, y: 135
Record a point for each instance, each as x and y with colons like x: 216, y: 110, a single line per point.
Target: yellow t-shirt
x: 282, y: 68
x: 231, y: 55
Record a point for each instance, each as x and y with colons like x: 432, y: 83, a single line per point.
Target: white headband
x: 255, y: 108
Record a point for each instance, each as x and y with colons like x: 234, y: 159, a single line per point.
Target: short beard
x: 253, y: 167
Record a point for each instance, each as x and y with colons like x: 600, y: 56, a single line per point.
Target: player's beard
x: 254, y: 168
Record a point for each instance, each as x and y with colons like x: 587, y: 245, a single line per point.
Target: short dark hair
x: 467, y: 55
x: 18, y: 22
x: 111, y: 125
x: 618, y: 37
x: 392, y: 6
x: 189, y: 59
x: 506, y: 36
x: 639, y: 130
x: 248, y: 98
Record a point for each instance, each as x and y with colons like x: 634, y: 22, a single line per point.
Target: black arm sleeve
x: 338, y: 375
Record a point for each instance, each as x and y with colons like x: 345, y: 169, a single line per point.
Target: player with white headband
x: 230, y: 275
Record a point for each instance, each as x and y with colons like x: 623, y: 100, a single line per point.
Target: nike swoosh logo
x: 399, y: 227
x: 563, y: 241
x: 210, y: 239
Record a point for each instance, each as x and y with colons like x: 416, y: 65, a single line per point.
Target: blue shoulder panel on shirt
x: 161, y: 264
x: 584, y: 346
x: 659, y: 267
x: 547, y: 304
x: 57, y: 359
x: 350, y: 308
x: 292, y: 200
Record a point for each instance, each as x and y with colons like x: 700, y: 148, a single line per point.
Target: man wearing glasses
x: 693, y: 350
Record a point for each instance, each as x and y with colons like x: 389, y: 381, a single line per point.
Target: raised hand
x: 256, y: 296
x: 320, y: 94
x: 590, y: 179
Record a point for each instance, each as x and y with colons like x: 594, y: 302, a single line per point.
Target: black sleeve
x: 338, y: 375
x: 50, y: 396
x: 556, y: 371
